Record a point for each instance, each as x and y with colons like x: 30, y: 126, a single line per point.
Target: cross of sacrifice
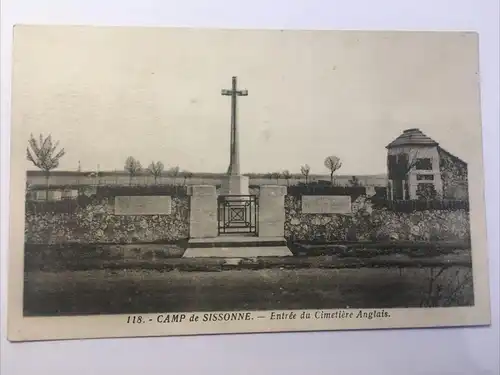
x: 234, y: 158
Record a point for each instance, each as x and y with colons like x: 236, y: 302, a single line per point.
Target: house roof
x: 453, y: 157
x: 412, y: 137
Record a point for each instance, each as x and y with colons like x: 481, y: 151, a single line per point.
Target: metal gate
x: 237, y: 214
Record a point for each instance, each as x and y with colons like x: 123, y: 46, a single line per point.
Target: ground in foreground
x: 152, y: 291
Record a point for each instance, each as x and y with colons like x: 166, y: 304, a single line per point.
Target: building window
x: 397, y: 166
x: 426, y: 191
x: 424, y: 164
x: 425, y: 177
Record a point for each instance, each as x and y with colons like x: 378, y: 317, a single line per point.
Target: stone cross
x: 234, y: 157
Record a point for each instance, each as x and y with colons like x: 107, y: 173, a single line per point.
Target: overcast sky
x: 107, y: 93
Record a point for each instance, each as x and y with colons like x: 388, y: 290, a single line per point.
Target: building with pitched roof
x: 419, y: 168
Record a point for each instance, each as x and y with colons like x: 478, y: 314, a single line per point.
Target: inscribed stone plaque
x: 143, y: 205
x: 326, y: 204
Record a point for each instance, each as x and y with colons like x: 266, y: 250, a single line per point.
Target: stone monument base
x: 235, y: 185
x: 237, y: 247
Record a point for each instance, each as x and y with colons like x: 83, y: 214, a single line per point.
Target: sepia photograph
x: 190, y: 181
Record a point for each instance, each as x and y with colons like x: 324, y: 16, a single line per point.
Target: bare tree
x: 333, y: 163
x: 410, y: 164
x: 174, y: 172
x: 133, y: 167
x: 44, y: 155
x: 447, y: 289
x: 156, y: 169
x: 287, y: 176
x: 305, y: 170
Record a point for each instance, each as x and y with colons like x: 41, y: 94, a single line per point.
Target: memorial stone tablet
x: 326, y: 204
x: 143, y: 205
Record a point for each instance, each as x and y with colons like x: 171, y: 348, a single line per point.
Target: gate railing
x: 237, y: 214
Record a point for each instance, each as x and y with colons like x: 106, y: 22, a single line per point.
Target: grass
x: 150, y: 291
x: 221, y: 264
x: 167, y: 256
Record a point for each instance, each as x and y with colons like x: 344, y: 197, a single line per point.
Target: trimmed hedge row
x: 324, y: 189
x: 407, y: 206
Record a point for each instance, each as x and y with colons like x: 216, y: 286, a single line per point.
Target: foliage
x: 380, y: 193
x: 113, y: 191
x: 43, y: 153
x: 318, y: 188
x: 305, y: 170
x: 133, y: 167
x: 287, y: 176
x: 275, y: 176
x: 333, y: 164
x: 419, y: 204
x: 454, y: 174
x: 401, y: 164
x: 426, y: 192
x: 187, y: 175
x: 368, y: 223
x: 86, y: 198
x: 174, y: 171
x: 446, y: 291
x: 354, y: 181
x: 95, y: 222
x: 156, y: 169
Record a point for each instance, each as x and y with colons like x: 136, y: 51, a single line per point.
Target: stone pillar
x: 203, y: 212
x: 412, y: 186
x: 272, y: 211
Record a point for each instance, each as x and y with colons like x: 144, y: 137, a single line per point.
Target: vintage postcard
x: 203, y: 181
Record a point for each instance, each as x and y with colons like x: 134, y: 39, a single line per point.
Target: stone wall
x: 369, y: 224
x: 96, y: 222
x: 454, y: 175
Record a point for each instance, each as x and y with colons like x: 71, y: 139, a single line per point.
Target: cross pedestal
x: 235, y: 185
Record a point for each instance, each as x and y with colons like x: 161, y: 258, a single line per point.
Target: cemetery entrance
x: 237, y: 214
